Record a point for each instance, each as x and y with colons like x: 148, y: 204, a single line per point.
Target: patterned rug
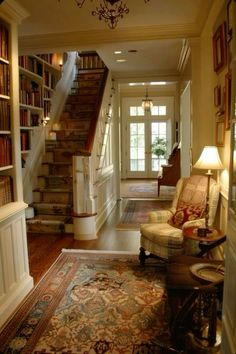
x: 145, y: 189
x: 92, y: 303
x: 136, y: 212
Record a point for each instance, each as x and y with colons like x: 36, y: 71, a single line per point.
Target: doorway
x: 139, y: 131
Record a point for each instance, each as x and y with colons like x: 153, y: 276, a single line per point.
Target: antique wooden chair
x: 170, y: 173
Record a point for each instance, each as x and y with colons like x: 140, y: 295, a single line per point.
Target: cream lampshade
x: 208, y: 160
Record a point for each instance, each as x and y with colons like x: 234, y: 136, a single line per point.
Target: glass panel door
x: 142, y: 163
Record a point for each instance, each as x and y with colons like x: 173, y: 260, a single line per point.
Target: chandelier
x: 147, y: 103
x: 111, y: 11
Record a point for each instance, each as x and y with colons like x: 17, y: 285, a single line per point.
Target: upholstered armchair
x: 163, y: 235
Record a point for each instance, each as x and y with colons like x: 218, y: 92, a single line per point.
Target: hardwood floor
x: 44, y: 249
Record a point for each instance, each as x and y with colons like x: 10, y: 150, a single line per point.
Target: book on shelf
x: 5, y: 151
x: 5, y: 116
x: 4, y: 42
x: 24, y: 140
x: 4, y: 79
x: 30, y: 92
x: 6, y: 190
x: 32, y: 64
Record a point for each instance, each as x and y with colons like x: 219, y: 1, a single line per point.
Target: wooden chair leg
x: 142, y: 255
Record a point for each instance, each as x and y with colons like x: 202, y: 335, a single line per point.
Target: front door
x: 141, y: 129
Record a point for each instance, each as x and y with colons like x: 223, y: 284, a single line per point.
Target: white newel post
x: 83, y: 199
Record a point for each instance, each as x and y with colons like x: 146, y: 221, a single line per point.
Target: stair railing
x: 87, y: 169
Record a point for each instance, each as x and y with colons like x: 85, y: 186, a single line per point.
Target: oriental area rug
x: 136, y: 212
x: 92, y: 303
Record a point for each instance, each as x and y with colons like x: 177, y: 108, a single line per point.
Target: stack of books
x: 6, y: 195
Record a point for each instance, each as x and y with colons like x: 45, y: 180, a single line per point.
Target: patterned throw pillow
x: 186, y: 212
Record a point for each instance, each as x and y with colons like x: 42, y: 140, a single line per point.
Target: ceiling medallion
x: 111, y: 11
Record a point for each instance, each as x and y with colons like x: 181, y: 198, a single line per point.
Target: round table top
x: 212, y: 235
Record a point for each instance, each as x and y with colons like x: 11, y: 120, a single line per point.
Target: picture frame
x: 219, y: 48
x: 227, y: 100
x: 229, y: 20
x: 220, y: 133
x: 217, y: 96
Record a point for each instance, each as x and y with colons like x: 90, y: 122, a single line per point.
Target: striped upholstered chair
x: 163, y: 235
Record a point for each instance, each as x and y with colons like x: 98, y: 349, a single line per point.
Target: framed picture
x: 219, y: 48
x: 227, y: 100
x: 220, y: 133
x: 217, y: 96
x: 229, y: 20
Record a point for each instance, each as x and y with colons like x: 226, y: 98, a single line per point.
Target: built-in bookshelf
x: 16, y: 281
x: 38, y: 76
x: 6, y: 195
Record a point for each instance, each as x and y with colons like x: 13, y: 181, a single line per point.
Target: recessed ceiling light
x: 118, y: 52
x: 121, y: 60
x: 136, y: 84
x: 132, y: 51
x: 158, y: 83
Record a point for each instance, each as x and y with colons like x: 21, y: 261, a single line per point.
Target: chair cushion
x: 192, y: 201
x: 163, y: 234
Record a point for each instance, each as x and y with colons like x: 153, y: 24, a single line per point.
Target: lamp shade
x: 209, y: 159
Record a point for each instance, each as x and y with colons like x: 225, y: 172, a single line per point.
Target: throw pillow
x: 186, y: 212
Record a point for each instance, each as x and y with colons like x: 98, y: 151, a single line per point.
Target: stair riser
x: 52, y: 197
x: 81, y: 99
x: 76, y: 145
x: 75, y: 108
x: 57, y: 182
x: 70, y: 134
x: 58, y: 156
x: 58, y: 209
x: 44, y: 228
x: 75, y: 124
x: 76, y: 90
x: 62, y: 170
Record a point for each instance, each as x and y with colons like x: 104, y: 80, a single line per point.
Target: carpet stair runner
x: 53, y: 198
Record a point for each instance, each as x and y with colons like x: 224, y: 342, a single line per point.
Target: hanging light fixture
x: 147, y: 102
x: 111, y: 11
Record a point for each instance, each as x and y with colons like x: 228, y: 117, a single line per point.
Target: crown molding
x: 91, y: 39
x: 13, y: 11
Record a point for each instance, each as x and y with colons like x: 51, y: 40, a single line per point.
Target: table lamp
x: 209, y: 160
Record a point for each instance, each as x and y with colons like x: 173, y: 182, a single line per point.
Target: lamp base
x: 204, y: 231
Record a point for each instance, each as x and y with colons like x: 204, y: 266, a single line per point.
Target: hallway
x: 44, y: 249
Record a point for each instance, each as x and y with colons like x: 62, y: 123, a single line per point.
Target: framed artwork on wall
x: 220, y: 133
x: 227, y: 100
x: 219, y: 48
x: 229, y: 20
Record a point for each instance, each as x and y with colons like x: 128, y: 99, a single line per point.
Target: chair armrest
x: 160, y: 216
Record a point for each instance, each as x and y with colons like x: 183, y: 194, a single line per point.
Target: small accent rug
x: 145, y: 189
x: 91, y: 303
x: 136, y: 212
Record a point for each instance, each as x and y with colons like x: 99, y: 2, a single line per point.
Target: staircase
x: 53, y: 198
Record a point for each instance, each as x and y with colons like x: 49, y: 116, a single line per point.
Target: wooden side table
x: 205, y: 243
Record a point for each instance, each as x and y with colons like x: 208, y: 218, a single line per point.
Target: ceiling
x: 154, y: 32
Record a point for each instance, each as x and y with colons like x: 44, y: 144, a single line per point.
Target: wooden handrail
x: 94, y: 121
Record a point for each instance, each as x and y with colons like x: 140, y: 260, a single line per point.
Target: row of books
x: 46, y: 57
x: 4, y: 79
x: 6, y: 190
x: 49, y: 79
x: 47, y: 108
x: 4, y: 51
x: 5, y: 116
x: 31, y: 64
x: 5, y: 151
x: 28, y: 119
x: 24, y: 140
x: 91, y: 62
